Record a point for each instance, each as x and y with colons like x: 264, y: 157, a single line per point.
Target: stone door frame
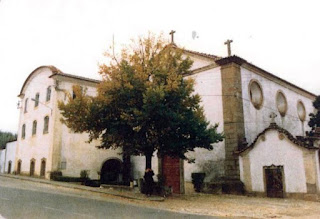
x: 274, y: 167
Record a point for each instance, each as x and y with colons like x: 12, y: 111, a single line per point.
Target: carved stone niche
x: 281, y: 136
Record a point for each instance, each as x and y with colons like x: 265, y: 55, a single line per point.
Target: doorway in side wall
x: 274, y: 181
x: 111, y: 172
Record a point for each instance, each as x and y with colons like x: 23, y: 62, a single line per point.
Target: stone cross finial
x: 228, y: 43
x: 172, y: 35
x: 273, y: 117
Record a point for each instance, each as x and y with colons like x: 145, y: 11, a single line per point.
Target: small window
x: 46, y: 125
x: 34, y: 127
x: 301, y: 111
x: 256, y: 94
x: 23, y: 131
x: 26, y: 106
x: 36, y: 100
x: 63, y: 165
x: 48, y: 94
x: 282, y: 104
x: 74, y: 96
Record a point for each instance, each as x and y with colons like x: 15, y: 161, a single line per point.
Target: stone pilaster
x: 233, y: 117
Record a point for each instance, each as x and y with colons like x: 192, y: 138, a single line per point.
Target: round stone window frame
x: 284, y: 111
x: 301, y: 115
x: 260, y: 104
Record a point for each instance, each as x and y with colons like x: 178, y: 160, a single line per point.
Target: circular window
x: 256, y: 95
x: 282, y: 104
x: 301, y: 110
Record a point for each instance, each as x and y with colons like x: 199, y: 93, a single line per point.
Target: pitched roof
x: 273, y: 126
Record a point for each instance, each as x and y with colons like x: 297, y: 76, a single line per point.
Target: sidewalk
x: 133, y: 194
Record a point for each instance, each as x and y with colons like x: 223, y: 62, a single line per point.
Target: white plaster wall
x: 37, y: 146
x: 208, y: 86
x: 274, y: 151
x: 2, y: 160
x: 317, y: 171
x: 198, y: 61
x: 257, y: 120
x: 75, y: 149
x: 139, y: 166
x: 11, y: 155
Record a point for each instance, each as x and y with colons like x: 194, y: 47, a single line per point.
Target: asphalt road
x: 24, y: 199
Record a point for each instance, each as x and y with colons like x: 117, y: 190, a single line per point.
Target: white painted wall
x: 74, y: 148
x: 2, y: 160
x: 208, y: 86
x: 274, y: 151
x: 257, y: 120
x: 38, y: 146
x: 11, y: 155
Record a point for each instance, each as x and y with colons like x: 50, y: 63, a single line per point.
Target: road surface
x: 25, y: 199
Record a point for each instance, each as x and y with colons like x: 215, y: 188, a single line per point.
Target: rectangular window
x: 63, y: 165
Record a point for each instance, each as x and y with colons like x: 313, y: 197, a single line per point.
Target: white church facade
x: 236, y: 94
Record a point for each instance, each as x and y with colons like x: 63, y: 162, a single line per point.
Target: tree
x: 315, y: 117
x: 5, y: 137
x: 144, y: 104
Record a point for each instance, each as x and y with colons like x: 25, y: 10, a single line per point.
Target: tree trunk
x: 148, y: 160
x: 126, y: 169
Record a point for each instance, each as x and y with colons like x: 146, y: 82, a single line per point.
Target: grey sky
x: 278, y: 36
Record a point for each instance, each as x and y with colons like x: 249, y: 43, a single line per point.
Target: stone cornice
x: 243, y: 63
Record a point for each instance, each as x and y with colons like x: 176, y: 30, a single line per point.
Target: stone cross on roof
x: 273, y: 117
x: 228, y: 43
x: 172, y: 35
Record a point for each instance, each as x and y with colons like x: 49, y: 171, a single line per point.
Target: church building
x: 263, y: 117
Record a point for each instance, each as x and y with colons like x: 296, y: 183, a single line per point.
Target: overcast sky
x: 282, y: 37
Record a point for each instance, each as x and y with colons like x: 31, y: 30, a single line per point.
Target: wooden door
x: 171, y: 173
x: 274, y: 181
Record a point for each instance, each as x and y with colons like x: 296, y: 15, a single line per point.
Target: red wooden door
x: 171, y: 173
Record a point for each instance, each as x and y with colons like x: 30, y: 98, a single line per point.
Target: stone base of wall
x: 226, y: 186
x: 302, y: 196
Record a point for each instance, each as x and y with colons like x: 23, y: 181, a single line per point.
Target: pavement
x: 115, y: 191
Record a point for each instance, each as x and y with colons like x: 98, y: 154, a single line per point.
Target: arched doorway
x: 19, y: 167
x: 111, y: 172
x: 32, y: 164
x: 9, y: 166
x: 43, y: 168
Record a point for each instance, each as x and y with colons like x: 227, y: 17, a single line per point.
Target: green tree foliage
x: 315, y: 117
x: 144, y: 104
x: 6, y: 137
